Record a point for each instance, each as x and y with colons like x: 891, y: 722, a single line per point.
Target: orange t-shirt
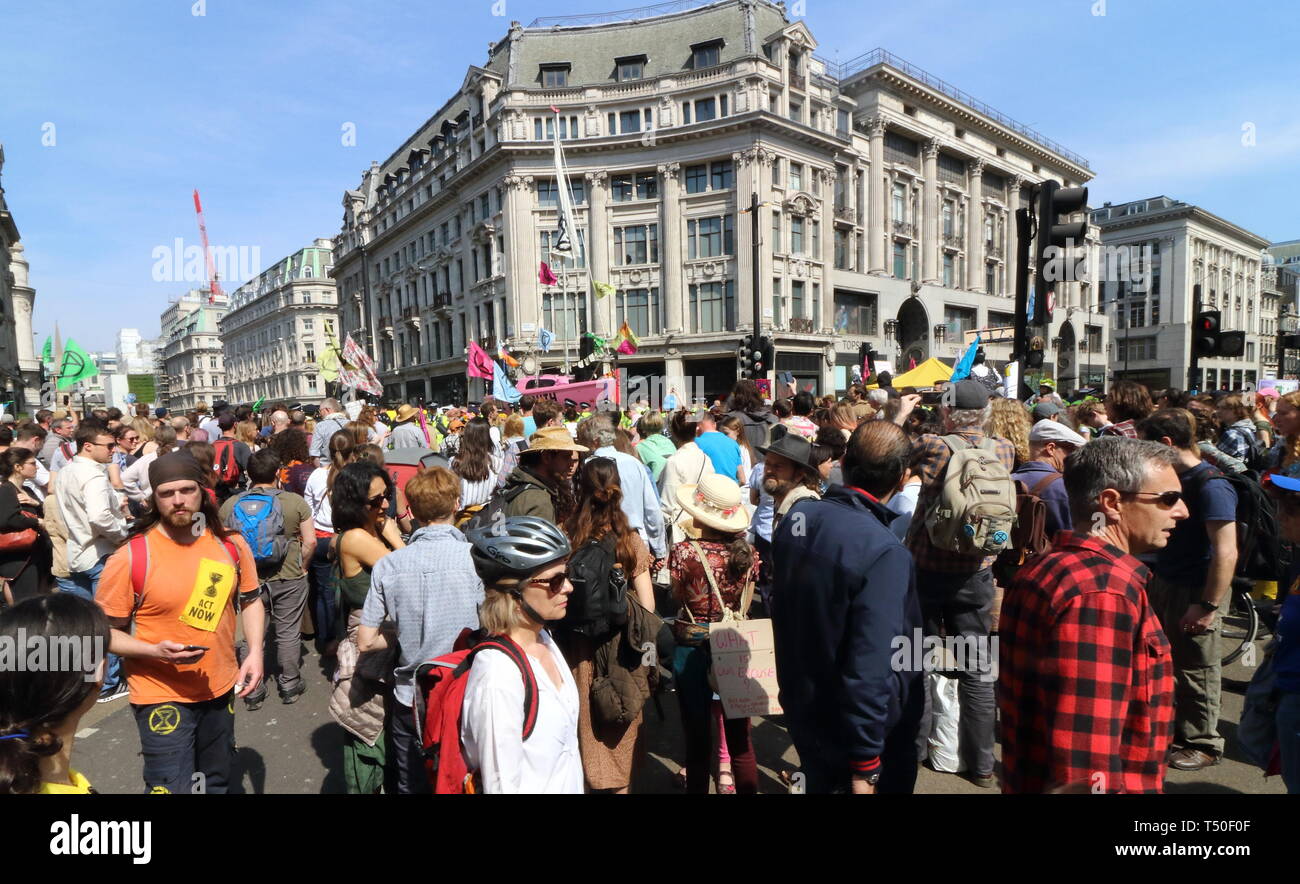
x: 171, y: 585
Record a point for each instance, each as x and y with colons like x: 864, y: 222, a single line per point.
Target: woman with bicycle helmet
x: 522, y: 561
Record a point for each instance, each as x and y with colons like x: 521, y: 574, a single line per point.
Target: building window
x: 711, y: 237
x: 948, y: 264
x: 713, y: 306
x: 308, y: 325
x: 640, y: 309
x: 706, y: 55
x: 555, y: 76
x: 991, y: 279
x: 558, y: 261
x: 855, y: 313
x: 697, y: 178
x: 723, y: 176
x: 900, y: 201
x: 796, y: 299
x: 629, y: 121
x: 776, y: 233
x: 958, y: 320
x: 309, y: 353
x: 796, y: 176
x: 706, y: 109
x: 796, y: 234
x: 641, y: 186
x: 776, y: 172
x: 548, y: 194
x: 949, y: 217
x: 1136, y: 349
x: 900, y: 260
x: 777, y: 313
x: 816, y: 227
x: 1137, y: 314
x: 638, y: 244
x: 565, y: 315
x: 1001, y: 320
x: 630, y: 68
x: 841, y: 249
x: 686, y: 113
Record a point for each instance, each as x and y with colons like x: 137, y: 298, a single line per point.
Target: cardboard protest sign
x: 744, y: 664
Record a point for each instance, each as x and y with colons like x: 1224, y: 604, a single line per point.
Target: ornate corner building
x: 278, y: 325
x: 887, y: 201
x: 20, y: 369
x: 193, y: 365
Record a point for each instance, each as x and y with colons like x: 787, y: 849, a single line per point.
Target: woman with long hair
x: 25, y: 571
x: 359, y: 499
x: 317, y: 493
x: 398, y: 508
x: 1009, y: 420
x: 41, y: 710
x: 294, y: 446
x: 608, y: 748
x: 732, y: 426
x: 246, y: 432
x: 478, y: 463
x: 713, y: 573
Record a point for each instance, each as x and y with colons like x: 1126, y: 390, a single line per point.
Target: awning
x: 927, y: 374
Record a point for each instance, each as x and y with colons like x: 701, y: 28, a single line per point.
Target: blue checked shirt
x: 431, y: 591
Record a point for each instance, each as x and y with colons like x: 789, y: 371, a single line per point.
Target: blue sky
x: 246, y: 103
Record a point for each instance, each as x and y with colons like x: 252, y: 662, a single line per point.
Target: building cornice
x: 1187, y: 213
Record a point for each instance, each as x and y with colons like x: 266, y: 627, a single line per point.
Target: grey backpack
x: 976, y: 506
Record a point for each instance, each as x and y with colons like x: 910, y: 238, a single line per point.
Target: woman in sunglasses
x: 522, y: 563
x: 363, y: 534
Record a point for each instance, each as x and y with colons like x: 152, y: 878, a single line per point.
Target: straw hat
x: 553, y: 439
x: 715, y: 503
x: 405, y: 413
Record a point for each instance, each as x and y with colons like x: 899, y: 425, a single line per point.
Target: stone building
x: 192, y: 356
x: 20, y: 368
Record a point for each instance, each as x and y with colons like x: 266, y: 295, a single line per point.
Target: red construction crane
x: 214, y: 285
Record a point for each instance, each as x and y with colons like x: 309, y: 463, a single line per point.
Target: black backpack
x: 598, y: 606
x: 1261, y: 554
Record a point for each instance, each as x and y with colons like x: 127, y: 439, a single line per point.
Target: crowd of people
x: 1080, y: 555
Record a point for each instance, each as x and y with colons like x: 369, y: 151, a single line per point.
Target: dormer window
x: 555, y: 76
x: 707, y: 54
x: 630, y: 67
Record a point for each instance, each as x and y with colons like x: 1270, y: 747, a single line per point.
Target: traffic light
x: 1205, y: 333
x: 1036, y: 353
x: 750, y: 357
x: 1232, y: 344
x: 1054, y: 201
x: 766, y: 359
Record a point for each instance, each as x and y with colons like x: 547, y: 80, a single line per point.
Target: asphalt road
x: 298, y: 749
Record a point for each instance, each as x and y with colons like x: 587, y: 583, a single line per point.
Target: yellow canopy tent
x: 927, y: 374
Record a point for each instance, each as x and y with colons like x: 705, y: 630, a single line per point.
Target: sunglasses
x: 378, y: 500
x: 1165, y: 499
x: 554, y: 584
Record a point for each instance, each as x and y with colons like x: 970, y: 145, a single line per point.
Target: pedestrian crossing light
x: 748, y: 357
x: 1054, y: 236
x: 1206, y: 333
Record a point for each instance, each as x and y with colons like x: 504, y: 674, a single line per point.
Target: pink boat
x: 583, y: 395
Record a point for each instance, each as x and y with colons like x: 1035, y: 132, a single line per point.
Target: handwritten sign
x: 744, y: 664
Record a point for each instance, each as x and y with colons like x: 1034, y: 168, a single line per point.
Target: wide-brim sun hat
x: 714, y: 503
x: 553, y: 439
x: 405, y: 413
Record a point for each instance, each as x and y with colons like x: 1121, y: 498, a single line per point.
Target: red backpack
x: 227, y: 465
x: 439, y: 698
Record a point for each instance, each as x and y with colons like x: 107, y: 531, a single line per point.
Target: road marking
x: 86, y: 732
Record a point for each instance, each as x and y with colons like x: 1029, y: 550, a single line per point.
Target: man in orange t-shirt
x: 178, y: 580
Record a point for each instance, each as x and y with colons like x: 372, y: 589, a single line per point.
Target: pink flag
x: 479, y: 364
x: 546, y: 276
x: 911, y: 363
x: 626, y: 347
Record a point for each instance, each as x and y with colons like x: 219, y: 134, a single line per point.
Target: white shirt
x: 904, y: 503
x: 91, y: 511
x: 476, y: 493
x: 135, y: 478
x: 317, y: 494
x: 492, y: 721
x: 212, y: 427
x: 38, y: 485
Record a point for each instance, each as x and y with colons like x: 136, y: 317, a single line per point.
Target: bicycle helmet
x: 515, y: 547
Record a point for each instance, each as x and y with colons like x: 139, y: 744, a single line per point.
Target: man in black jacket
x: 844, y: 597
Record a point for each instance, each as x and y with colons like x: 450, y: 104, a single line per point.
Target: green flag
x: 77, y: 366
x: 47, y: 354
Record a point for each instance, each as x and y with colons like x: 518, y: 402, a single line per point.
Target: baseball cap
x: 1055, y: 431
x: 1045, y: 410
x: 970, y: 393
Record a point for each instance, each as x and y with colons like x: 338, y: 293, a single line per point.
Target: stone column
x: 598, y: 245
x: 875, y: 224
x: 929, y: 231
x: 975, y: 228
x: 1009, y: 269
x: 670, y: 238
x: 827, y: 256
x: 525, y: 305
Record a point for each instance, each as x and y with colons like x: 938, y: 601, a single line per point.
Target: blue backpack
x: 259, y: 517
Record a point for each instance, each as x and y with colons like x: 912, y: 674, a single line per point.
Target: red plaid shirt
x: 1127, y: 429
x: 934, y: 455
x: 1086, y: 685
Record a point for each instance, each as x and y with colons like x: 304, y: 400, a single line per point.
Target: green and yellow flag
x: 603, y: 289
